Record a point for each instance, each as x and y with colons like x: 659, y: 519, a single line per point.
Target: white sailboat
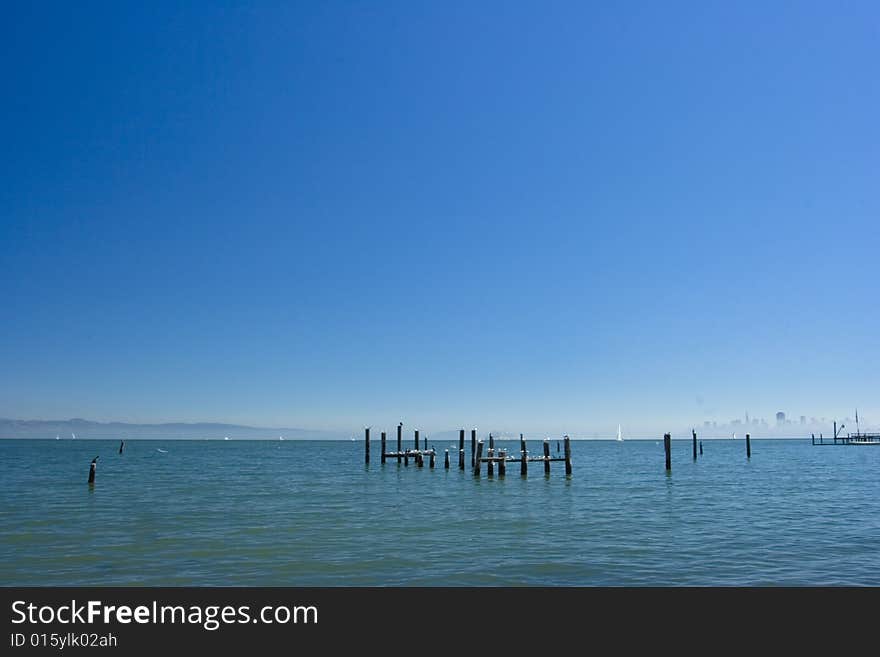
x: 619, y: 436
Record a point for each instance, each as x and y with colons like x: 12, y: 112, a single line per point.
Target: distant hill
x: 85, y: 429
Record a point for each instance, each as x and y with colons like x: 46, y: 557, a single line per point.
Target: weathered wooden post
x: 461, y: 449
x: 524, y: 463
x: 383, y: 448
x: 121, y: 446
x: 567, y: 443
x: 406, y: 458
x: 433, y: 454
x: 491, y: 442
x: 502, y: 464
x: 546, y: 456
x: 446, y: 460
x: 417, y: 439
x: 477, y: 456
x: 813, y: 438
x: 667, y: 445
x: 748, y: 447
x: 490, y: 464
x: 473, y: 445
x: 399, y: 441
x: 92, y: 468
x: 821, y: 439
x: 367, y: 445
x: 420, y: 459
x: 694, y: 432
x: 701, y: 448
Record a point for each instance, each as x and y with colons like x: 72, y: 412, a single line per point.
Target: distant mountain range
x: 85, y: 429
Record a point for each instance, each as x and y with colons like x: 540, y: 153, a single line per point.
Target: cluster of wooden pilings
x: 494, y: 457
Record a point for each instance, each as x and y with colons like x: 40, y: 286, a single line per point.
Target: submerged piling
x: 524, y: 462
x: 813, y: 438
x: 473, y: 445
x: 478, y: 456
x: 490, y: 465
x: 461, y: 449
x: 399, y: 441
x: 546, y: 456
x: 701, y: 448
x: 417, y: 439
x: 667, y: 445
x: 567, y: 443
x: 433, y: 453
x: 383, y: 448
x: 748, y: 447
x: 446, y: 460
x: 502, y: 464
x: 92, y: 468
x: 121, y: 446
x: 367, y: 446
x: 693, y: 431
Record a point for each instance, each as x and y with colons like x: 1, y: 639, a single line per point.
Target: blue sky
x: 529, y: 216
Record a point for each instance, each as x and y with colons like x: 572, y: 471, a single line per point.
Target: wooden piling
x: 461, y: 449
x: 121, y: 446
x: 417, y: 439
x: 748, y: 447
x: 477, y: 456
x: 524, y: 462
x: 92, y: 468
x: 399, y: 441
x: 693, y: 431
x: 433, y: 453
x: 667, y: 445
x: 546, y: 456
x: 567, y: 443
x: 406, y: 458
x: 383, y: 448
x: 490, y: 466
x: 701, y: 448
x: 491, y: 442
x: 473, y: 445
x: 446, y: 460
x: 420, y: 459
x: 502, y: 464
x: 813, y: 438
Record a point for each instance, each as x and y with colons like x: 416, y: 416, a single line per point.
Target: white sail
x: 619, y: 436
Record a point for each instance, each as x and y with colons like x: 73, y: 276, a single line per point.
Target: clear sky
x: 547, y: 216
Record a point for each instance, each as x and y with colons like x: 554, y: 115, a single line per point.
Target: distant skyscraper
x: 780, y: 419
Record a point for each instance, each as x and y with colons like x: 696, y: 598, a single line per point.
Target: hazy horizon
x: 35, y: 428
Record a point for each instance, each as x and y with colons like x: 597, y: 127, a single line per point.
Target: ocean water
x: 303, y: 513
